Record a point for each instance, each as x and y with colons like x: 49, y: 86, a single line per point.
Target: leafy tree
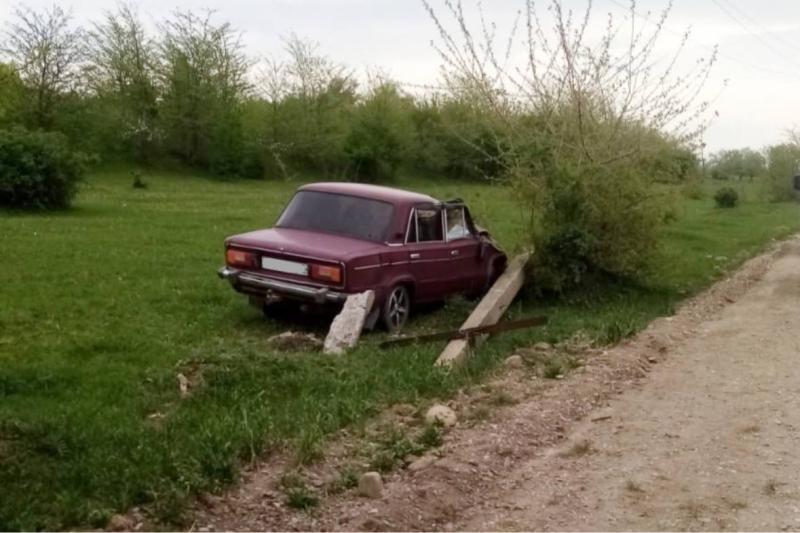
x: 11, y: 95
x: 121, y: 72
x: 567, y: 109
x: 203, y: 73
x: 784, y: 163
x: 312, y: 100
x: 381, y: 134
x: 46, y: 51
x: 737, y: 164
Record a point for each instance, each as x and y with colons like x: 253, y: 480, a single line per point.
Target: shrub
x: 601, y: 220
x: 726, y: 197
x: 37, y: 170
x: 693, y: 190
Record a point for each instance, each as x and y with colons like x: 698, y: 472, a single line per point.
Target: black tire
x: 396, y: 308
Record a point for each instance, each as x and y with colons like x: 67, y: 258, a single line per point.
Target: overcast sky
x: 759, y: 43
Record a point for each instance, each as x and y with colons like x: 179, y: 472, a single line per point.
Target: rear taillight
x: 240, y: 258
x: 326, y: 273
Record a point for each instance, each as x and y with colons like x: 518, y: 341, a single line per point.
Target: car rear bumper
x: 249, y: 282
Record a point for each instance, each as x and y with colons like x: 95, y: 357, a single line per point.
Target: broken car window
x: 429, y: 225
x: 456, y: 224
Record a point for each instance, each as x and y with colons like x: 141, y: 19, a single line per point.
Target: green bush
x: 726, y: 197
x: 601, y: 220
x: 37, y: 170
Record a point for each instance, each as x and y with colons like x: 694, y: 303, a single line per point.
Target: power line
x: 744, y: 15
x: 709, y: 48
x: 760, y: 39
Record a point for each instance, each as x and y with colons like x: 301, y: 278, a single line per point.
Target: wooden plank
x: 491, y: 329
x: 489, y: 310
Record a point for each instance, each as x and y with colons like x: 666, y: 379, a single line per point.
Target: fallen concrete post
x: 346, y: 327
x: 489, y: 310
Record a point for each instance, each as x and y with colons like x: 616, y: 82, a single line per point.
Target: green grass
x: 101, y: 306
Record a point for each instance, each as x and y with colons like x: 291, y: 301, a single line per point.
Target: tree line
x: 774, y: 166
x: 189, y: 92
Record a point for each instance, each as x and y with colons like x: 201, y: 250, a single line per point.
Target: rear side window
x: 429, y: 225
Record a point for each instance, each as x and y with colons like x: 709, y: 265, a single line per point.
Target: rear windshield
x: 339, y: 214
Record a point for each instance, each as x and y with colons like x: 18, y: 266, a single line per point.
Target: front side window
x: 456, y: 224
x: 339, y: 214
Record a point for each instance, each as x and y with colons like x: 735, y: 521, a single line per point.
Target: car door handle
x: 414, y: 256
x: 453, y: 252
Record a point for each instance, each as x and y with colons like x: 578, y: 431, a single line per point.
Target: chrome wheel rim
x: 398, y: 307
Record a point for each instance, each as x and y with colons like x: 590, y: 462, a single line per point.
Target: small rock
x: 515, y: 361
x: 441, y: 414
x: 183, y: 385
x: 370, y: 485
x: 120, y: 522
x: 295, y: 342
x: 423, y: 462
x: 652, y: 360
x: 542, y: 347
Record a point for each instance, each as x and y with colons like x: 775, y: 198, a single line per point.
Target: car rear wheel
x: 396, y: 308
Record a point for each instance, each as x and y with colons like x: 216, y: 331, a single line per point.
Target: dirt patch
x: 509, y: 465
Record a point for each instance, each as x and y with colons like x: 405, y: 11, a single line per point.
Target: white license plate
x: 287, y: 267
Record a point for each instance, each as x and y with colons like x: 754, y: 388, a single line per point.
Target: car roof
x: 375, y: 192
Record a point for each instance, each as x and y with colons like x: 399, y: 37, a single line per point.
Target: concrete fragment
x: 515, y: 361
x: 183, y: 385
x: 423, y: 462
x: 295, y: 341
x: 120, y: 522
x: 370, y: 485
x: 441, y: 414
x: 346, y: 327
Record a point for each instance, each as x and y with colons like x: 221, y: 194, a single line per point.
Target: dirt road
x: 711, y: 441
x: 694, y: 424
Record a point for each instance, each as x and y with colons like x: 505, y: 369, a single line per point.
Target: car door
x: 429, y: 254
x: 463, y: 249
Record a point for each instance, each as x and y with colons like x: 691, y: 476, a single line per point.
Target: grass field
x: 101, y: 306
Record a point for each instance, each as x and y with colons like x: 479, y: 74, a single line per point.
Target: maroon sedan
x: 335, y: 239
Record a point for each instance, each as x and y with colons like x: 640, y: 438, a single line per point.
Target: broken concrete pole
x: 489, y: 310
x: 346, y: 327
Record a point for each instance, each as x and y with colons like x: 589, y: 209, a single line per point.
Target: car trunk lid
x: 300, y: 255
